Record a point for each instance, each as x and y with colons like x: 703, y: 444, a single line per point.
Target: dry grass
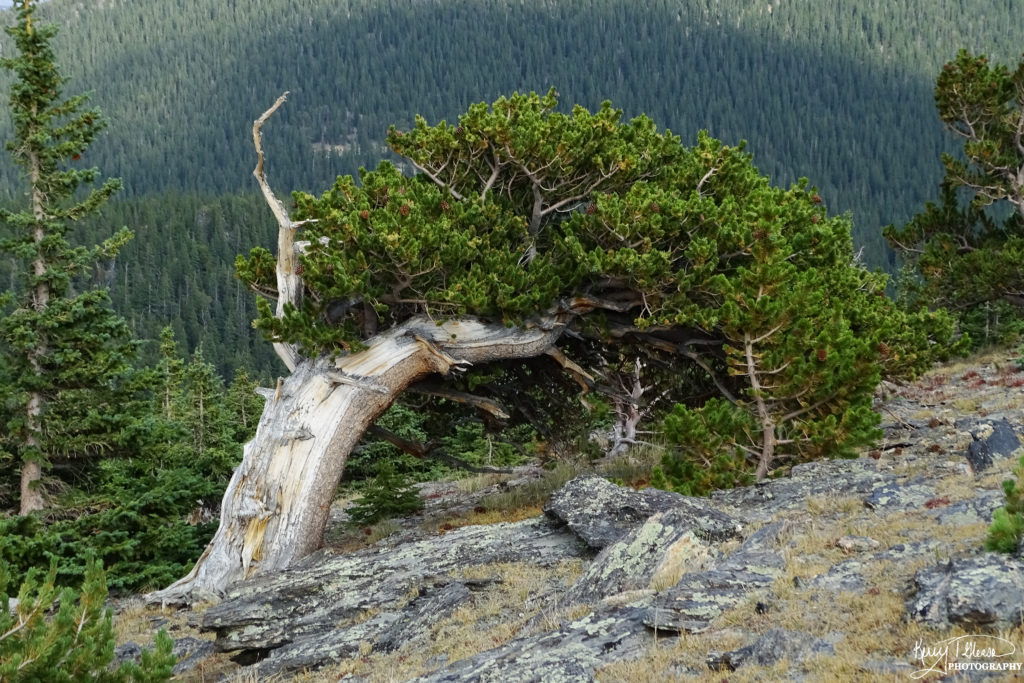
x: 481, y: 516
x: 346, y: 539
x: 533, y: 493
x: 478, y: 482
x: 869, y: 625
x: 634, y: 468
x: 498, y: 614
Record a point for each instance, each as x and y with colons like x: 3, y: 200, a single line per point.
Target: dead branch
x: 430, y: 451
x: 484, y: 404
x: 289, y: 285
x: 584, y: 379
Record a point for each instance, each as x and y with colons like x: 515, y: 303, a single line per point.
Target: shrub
x: 387, y: 495
x: 1007, y: 528
x: 74, y: 644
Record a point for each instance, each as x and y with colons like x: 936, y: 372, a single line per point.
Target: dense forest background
x: 839, y: 92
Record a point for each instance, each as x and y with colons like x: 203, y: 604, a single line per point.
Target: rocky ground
x: 863, y: 569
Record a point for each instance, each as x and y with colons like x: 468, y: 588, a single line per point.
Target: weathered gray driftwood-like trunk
x: 275, y: 508
x: 276, y: 505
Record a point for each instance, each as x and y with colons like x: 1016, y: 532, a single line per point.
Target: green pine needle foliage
x: 60, y: 636
x: 137, y: 510
x: 965, y: 250
x: 64, y: 354
x: 386, y: 496
x: 1007, y: 528
x: 521, y: 211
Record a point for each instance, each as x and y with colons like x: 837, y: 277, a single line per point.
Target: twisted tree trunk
x: 276, y: 506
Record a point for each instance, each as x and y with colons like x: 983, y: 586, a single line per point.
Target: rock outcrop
x: 327, y: 607
x: 773, y: 575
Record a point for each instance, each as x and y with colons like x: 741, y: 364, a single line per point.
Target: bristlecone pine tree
x: 63, y: 351
x: 971, y: 253
x: 524, y: 232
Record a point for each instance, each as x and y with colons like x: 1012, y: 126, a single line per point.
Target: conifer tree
x: 528, y: 231
x: 64, y: 350
x: 970, y: 254
x: 76, y: 643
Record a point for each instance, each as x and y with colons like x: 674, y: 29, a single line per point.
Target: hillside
x: 837, y: 92
x: 617, y: 584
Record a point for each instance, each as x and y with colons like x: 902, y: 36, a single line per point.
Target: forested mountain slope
x: 836, y: 91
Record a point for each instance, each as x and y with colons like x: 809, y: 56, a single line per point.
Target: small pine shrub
x: 386, y: 496
x: 74, y: 644
x: 1004, y: 536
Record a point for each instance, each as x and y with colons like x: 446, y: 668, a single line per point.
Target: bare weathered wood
x: 485, y: 404
x: 289, y: 283
x: 275, y: 508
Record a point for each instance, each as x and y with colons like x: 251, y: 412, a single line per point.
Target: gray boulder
x: 600, y: 512
x: 189, y: 652
x: 991, y: 441
x: 314, y: 612
x: 983, y: 590
x: 823, y: 479
x: 900, y: 496
x: 771, y: 648
x: 570, y: 653
x: 699, y: 597
x: 668, y: 544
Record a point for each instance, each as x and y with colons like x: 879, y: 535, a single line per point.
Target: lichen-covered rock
x: 189, y: 652
x: 895, y: 495
x: 965, y: 512
x: 296, y: 613
x: 601, y: 512
x: 664, y: 546
x: 983, y: 590
x: 825, y: 479
x: 382, y: 632
x: 771, y: 648
x: 852, y: 575
x: 991, y: 440
x: 567, y: 654
x: 979, y: 456
x: 127, y: 652
x: 1001, y: 438
x: 699, y: 597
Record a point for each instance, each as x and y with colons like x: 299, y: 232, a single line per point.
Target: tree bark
x: 31, y: 495
x: 276, y: 506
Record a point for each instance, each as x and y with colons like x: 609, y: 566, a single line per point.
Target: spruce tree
x: 64, y: 350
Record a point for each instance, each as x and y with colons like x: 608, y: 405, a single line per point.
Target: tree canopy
x: 530, y: 217
x: 967, y: 248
